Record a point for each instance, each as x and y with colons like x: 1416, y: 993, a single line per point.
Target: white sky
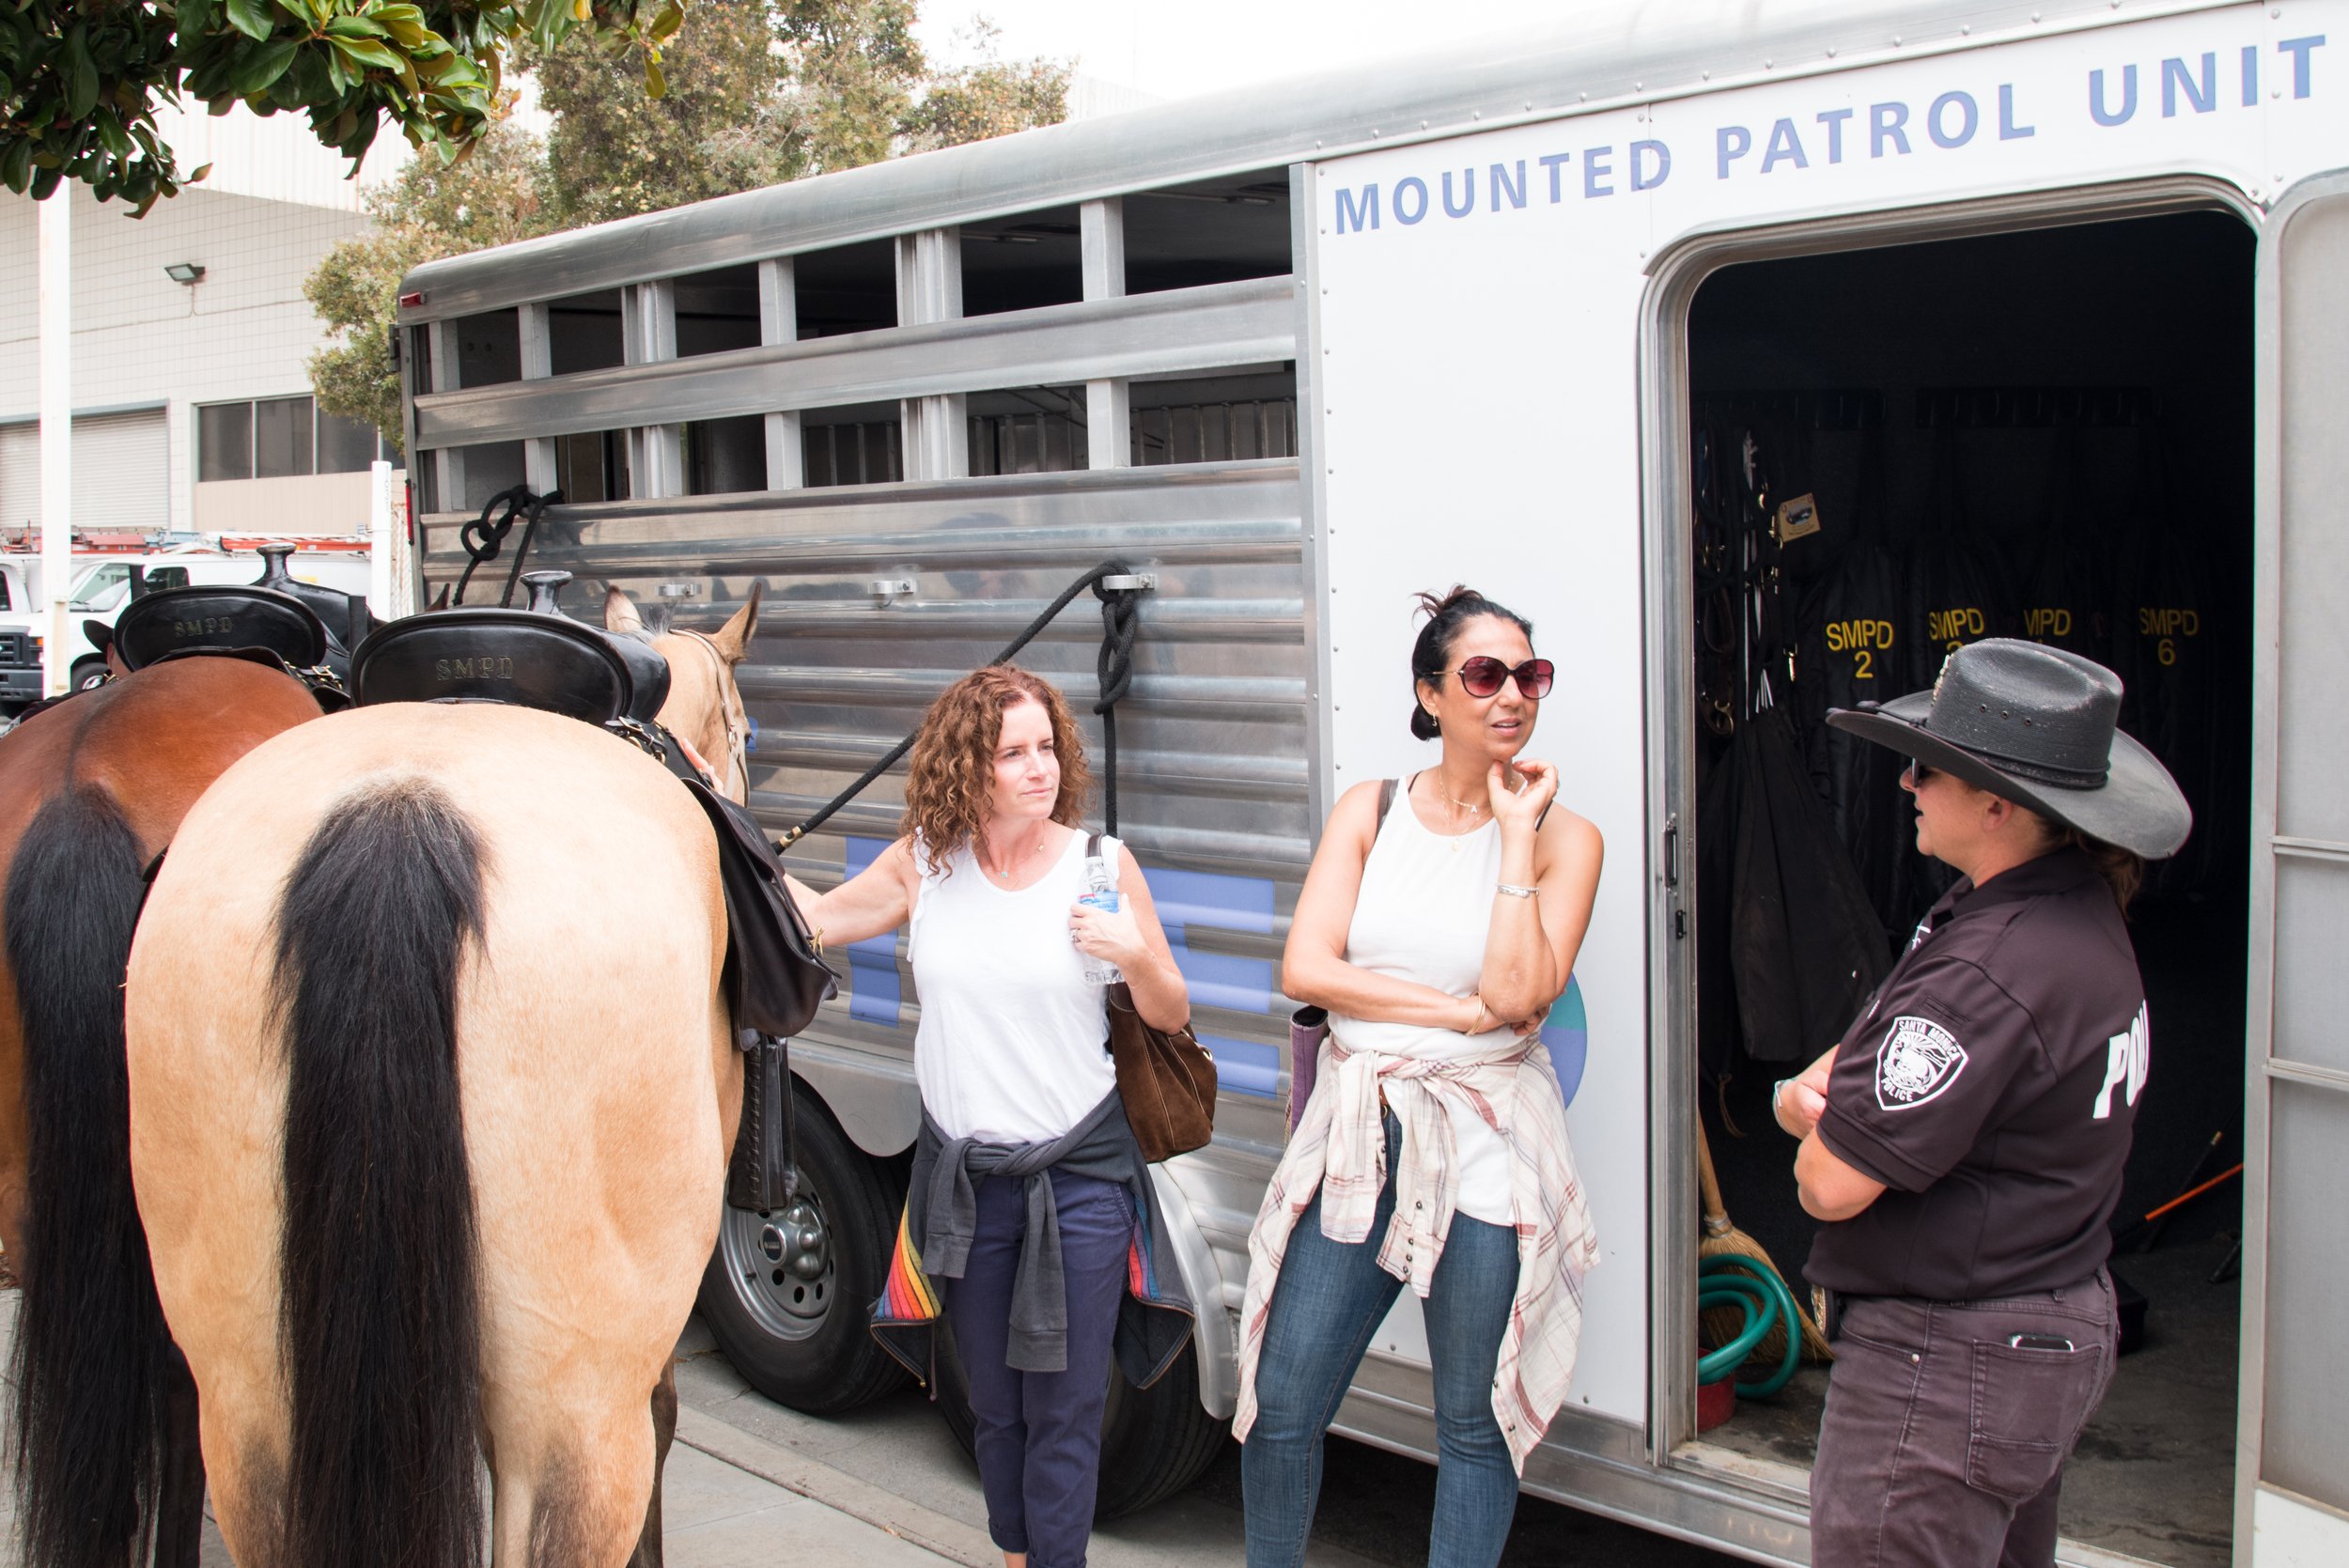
x: 1179, y: 48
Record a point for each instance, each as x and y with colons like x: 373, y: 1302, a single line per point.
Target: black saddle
x: 536, y: 656
x: 227, y: 619
x: 345, y: 616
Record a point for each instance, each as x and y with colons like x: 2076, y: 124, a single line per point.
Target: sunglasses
x: 1482, y: 676
x: 1919, y: 774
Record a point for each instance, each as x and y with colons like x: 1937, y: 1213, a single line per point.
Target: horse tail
x: 379, y: 1304
x: 92, y: 1352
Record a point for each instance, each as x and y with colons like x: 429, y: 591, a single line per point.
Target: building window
x: 276, y: 437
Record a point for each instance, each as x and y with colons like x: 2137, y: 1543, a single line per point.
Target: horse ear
x: 734, y: 638
x: 619, y: 610
x: 439, y: 601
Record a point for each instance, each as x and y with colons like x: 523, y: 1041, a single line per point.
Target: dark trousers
x: 1038, y: 1433
x: 1943, y: 1443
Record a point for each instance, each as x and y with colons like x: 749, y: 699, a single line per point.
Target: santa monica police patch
x: 1918, y: 1060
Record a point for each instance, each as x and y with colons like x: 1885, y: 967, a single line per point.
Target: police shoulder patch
x: 1917, y: 1061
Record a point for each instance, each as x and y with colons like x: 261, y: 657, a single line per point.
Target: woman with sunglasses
x: 1438, y: 923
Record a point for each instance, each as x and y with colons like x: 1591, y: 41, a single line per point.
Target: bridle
x: 738, y: 753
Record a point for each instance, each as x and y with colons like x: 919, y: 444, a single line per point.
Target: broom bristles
x: 1724, y: 1240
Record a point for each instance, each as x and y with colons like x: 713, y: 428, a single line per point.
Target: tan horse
x: 705, y: 708
x: 432, y: 1090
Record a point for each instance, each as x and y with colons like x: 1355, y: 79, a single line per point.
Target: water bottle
x: 1100, y: 892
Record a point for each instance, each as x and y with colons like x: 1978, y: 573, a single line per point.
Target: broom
x: 1723, y: 1239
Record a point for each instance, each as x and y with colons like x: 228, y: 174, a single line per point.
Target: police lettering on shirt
x: 2128, y: 1058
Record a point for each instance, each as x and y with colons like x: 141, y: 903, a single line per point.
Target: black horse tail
x: 92, y: 1352
x: 380, y: 1299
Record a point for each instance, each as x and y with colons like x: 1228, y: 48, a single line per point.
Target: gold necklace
x: 1013, y: 870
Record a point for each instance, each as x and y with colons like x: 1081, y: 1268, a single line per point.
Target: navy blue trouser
x: 1039, y: 1433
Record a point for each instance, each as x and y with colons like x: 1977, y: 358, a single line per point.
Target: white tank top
x: 1422, y: 913
x: 1013, y: 1045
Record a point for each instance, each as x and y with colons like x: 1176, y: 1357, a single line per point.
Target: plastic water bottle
x: 1100, y: 893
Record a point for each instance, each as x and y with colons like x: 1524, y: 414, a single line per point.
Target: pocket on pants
x: 2029, y: 1408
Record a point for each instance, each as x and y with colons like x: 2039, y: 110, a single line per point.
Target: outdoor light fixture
x: 183, y: 271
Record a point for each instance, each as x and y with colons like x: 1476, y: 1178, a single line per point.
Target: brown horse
x: 431, y: 1088
x: 90, y: 791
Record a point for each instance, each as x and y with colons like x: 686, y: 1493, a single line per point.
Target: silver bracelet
x: 1515, y: 891
x: 1778, y: 1091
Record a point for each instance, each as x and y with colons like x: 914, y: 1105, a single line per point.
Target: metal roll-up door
x: 20, y: 476
x: 121, y: 473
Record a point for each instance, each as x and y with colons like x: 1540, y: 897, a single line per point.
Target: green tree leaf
x: 255, y: 18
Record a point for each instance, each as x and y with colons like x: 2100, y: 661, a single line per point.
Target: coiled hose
x: 1731, y: 1280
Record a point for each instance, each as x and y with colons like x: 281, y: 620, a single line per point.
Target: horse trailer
x: 1758, y: 352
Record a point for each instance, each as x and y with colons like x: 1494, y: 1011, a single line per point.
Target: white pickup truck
x: 102, y: 588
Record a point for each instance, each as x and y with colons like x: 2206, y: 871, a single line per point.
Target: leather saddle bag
x: 774, y: 982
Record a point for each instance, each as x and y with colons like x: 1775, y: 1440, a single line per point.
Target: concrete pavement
x: 750, y: 1483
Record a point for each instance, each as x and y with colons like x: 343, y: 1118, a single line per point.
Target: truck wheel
x: 1154, y: 1441
x: 787, y: 1294
x: 86, y: 673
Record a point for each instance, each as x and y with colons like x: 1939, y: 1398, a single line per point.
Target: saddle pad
x: 498, y: 655
x: 218, y: 619
x: 773, y: 980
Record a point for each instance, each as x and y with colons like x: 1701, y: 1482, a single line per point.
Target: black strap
x: 1120, y: 619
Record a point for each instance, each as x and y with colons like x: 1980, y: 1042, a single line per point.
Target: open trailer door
x: 2292, y: 1487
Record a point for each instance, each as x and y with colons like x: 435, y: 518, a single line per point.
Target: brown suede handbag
x: 1166, y: 1080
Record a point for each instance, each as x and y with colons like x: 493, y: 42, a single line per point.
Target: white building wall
x: 245, y: 330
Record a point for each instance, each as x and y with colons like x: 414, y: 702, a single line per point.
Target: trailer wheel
x: 1154, y: 1441
x: 787, y: 1294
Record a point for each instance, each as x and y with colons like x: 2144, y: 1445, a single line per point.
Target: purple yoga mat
x: 1308, y: 1027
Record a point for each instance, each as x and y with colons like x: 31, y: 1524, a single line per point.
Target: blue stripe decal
x: 875, y: 994
x: 1187, y: 898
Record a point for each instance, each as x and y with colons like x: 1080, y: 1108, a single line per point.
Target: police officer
x: 1965, y: 1139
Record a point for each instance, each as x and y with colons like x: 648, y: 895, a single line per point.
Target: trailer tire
x: 788, y: 1296
x: 1154, y: 1441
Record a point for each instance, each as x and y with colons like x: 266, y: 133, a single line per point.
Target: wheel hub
x: 782, y: 1265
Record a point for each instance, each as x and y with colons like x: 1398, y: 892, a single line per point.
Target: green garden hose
x: 1736, y: 1281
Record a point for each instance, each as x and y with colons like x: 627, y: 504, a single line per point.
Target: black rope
x: 483, y: 539
x: 1120, y: 619
x: 1121, y: 616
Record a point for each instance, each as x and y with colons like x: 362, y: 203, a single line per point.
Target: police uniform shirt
x: 1990, y: 1086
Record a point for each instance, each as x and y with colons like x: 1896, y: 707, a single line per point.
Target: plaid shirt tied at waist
x: 1339, y: 1150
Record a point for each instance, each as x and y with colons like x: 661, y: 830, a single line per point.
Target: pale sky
x: 1197, y: 46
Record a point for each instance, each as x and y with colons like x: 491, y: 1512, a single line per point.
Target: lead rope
x: 1120, y: 620
x: 483, y: 539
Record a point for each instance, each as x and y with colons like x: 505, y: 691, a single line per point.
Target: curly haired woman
x: 1029, y: 1198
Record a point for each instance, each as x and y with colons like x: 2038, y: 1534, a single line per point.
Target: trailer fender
x: 1212, y: 1336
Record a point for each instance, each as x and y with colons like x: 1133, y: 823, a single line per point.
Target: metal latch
x: 678, y: 590
x: 888, y: 590
x: 1132, y: 583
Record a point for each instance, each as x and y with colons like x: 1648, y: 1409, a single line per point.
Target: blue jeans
x: 1038, y: 1433
x: 1328, y: 1303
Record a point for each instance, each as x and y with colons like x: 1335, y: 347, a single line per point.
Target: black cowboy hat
x: 100, y: 634
x: 2038, y: 726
